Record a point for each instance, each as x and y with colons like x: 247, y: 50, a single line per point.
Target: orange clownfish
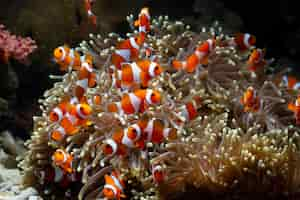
x: 200, y: 56
x: 63, y: 160
x: 137, y: 73
x: 189, y: 110
x: 156, y: 131
x: 88, y: 8
x: 81, y: 112
x: 158, y: 174
x: 144, y: 21
x: 136, y: 101
x: 57, y: 114
x: 250, y: 100
x: 66, y: 58
x: 114, y: 186
x: 126, y: 51
x: 86, y: 79
x: 256, y: 59
x: 244, y: 41
x: 290, y: 82
x: 295, y: 107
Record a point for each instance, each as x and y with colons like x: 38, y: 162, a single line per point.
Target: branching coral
x: 234, y: 131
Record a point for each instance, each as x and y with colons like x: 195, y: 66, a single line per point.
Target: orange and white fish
x: 88, y: 8
x: 158, y: 174
x: 244, y: 41
x: 67, y: 58
x: 256, y: 60
x: 156, y: 131
x: 63, y: 159
x: 114, y: 186
x: 137, y: 73
x: 57, y: 114
x: 121, y: 140
x: 136, y: 101
x: 58, y: 134
x: 189, y: 110
x: 295, y: 108
x: 86, y: 79
x: 81, y: 112
x: 200, y: 56
x: 143, y: 21
x: 290, y: 82
x: 250, y: 100
x: 126, y: 51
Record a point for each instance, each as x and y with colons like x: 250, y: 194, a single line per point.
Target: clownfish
x: 244, y: 41
x: 63, y: 160
x: 57, y: 114
x: 50, y: 175
x: 122, y: 139
x: 158, y: 174
x: 256, y: 60
x: 189, y: 110
x: 250, y: 100
x: 143, y: 21
x: 114, y: 186
x: 295, y: 107
x: 156, y: 131
x: 290, y: 82
x: 200, y: 56
x: 126, y: 51
x: 88, y: 8
x: 136, y: 101
x: 67, y: 58
x: 86, y: 79
x: 81, y: 112
x: 137, y: 73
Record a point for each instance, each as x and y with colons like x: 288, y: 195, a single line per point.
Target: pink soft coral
x: 14, y: 46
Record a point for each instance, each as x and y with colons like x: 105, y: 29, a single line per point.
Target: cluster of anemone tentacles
x: 224, y: 148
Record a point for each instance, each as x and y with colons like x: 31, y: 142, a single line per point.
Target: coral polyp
x: 162, y: 110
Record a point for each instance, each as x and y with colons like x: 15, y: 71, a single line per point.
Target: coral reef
x: 221, y: 124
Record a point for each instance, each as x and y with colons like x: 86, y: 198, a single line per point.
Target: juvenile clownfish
x: 143, y: 21
x: 63, y: 160
x: 114, y: 186
x: 88, y: 8
x: 86, y: 79
x: 57, y: 114
x: 158, y: 174
x: 67, y: 58
x: 295, y: 107
x: 81, y: 112
x: 126, y: 51
x: 156, y: 131
x: 200, y: 56
x: 135, y: 102
x: 121, y: 140
x: 250, y: 100
x: 244, y: 41
x: 290, y: 82
x: 256, y: 60
x: 137, y: 73
x: 189, y: 110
